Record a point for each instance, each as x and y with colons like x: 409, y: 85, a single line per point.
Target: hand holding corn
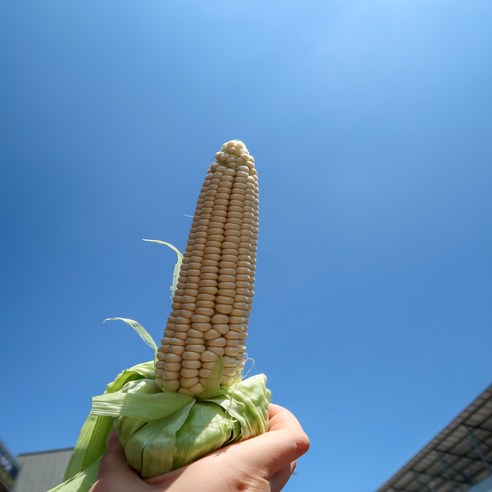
x: 264, y: 463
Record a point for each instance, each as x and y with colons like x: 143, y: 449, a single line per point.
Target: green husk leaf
x: 177, y: 266
x: 139, y: 329
x: 91, y: 444
x: 151, y: 449
x: 140, y: 406
x: 212, y: 386
x: 246, y: 403
x: 156, y: 446
x: 208, y: 428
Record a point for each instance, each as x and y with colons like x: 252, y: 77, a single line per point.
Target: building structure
x: 458, y: 459
x: 9, y: 469
x: 41, y: 471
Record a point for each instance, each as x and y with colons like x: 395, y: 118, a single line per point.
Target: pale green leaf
x: 91, y: 443
x: 139, y: 329
x: 139, y: 405
x: 81, y: 482
x: 177, y: 266
x: 212, y: 383
x: 207, y: 428
x: 151, y: 449
x: 247, y: 402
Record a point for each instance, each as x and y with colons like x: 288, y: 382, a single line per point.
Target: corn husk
x: 162, y: 431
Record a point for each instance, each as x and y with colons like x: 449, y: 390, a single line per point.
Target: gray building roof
x: 457, y: 459
x: 41, y: 471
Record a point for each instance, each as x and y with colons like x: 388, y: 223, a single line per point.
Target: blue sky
x: 370, y: 123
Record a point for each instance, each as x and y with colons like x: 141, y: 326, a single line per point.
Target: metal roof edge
x: 33, y: 453
x: 446, y: 431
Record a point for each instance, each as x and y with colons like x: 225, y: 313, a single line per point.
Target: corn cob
x: 209, y: 319
x: 193, y: 400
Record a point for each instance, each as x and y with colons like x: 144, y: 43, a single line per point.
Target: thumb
x: 115, y: 474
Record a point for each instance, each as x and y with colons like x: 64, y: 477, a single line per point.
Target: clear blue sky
x: 370, y: 122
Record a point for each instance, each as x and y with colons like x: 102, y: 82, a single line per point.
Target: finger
x: 113, y: 442
x: 284, y: 442
x: 273, y: 409
x: 114, y: 460
x: 281, y: 418
x: 114, y: 473
x: 280, y: 479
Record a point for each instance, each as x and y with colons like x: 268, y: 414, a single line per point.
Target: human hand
x: 261, y: 464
